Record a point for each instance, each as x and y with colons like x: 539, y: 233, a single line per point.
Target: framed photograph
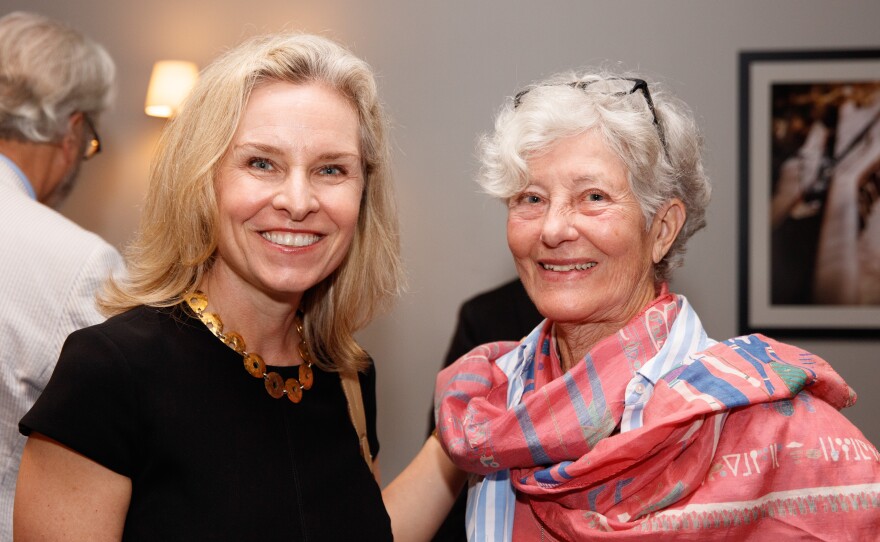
x: 809, y: 142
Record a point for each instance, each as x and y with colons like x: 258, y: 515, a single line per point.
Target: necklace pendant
x: 213, y: 322
x: 235, y: 341
x: 255, y: 365
x: 274, y: 385
x: 306, y: 375
x: 197, y: 301
x: 294, y: 390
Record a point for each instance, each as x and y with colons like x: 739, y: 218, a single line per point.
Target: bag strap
x: 352, y: 388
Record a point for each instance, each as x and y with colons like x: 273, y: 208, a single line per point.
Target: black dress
x: 151, y: 394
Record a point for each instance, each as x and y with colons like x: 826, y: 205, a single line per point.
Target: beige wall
x: 444, y: 69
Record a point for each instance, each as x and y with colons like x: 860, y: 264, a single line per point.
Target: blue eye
x: 531, y: 198
x: 595, y: 197
x: 330, y: 170
x: 261, y: 163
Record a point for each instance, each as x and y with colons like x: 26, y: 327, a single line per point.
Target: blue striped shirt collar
x: 29, y: 188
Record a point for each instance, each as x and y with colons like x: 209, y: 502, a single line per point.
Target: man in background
x: 54, y: 83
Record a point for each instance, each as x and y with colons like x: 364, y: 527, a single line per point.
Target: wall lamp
x: 170, y: 83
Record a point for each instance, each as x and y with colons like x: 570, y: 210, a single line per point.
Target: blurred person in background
x: 54, y: 85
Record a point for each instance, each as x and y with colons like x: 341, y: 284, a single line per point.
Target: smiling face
x: 578, y: 237
x: 288, y: 190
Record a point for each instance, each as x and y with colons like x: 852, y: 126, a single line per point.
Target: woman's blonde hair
x: 177, y: 238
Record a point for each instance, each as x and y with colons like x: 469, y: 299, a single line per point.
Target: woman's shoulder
x: 783, y: 369
x: 134, y: 332
x: 139, y: 322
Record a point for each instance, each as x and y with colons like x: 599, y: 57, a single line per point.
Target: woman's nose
x: 297, y: 196
x: 558, y: 226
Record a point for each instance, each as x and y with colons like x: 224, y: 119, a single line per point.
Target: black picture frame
x: 775, y: 252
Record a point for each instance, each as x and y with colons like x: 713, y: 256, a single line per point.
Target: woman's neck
x: 267, y: 325
x: 575, y: 339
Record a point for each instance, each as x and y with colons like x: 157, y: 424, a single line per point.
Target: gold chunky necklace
x: 275, y: 385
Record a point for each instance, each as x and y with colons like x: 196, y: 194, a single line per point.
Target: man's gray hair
x: 48, y: 71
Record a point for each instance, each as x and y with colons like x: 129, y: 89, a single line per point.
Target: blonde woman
x: 210, y: 406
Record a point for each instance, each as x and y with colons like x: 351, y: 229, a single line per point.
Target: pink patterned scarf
x: 658, y: 430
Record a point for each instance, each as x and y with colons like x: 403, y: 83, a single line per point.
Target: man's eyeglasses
x: 93, y: 146
x: 639, y: 85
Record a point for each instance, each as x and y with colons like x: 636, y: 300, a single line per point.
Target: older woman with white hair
x: 618, y: 417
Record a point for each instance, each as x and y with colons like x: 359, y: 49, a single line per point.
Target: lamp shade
x: 170, y: 83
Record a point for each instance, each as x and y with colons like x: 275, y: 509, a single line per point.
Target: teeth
x: 572, y: 267
x: 291, y: 239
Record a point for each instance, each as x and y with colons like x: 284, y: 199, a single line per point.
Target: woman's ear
x: 668, y: 222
